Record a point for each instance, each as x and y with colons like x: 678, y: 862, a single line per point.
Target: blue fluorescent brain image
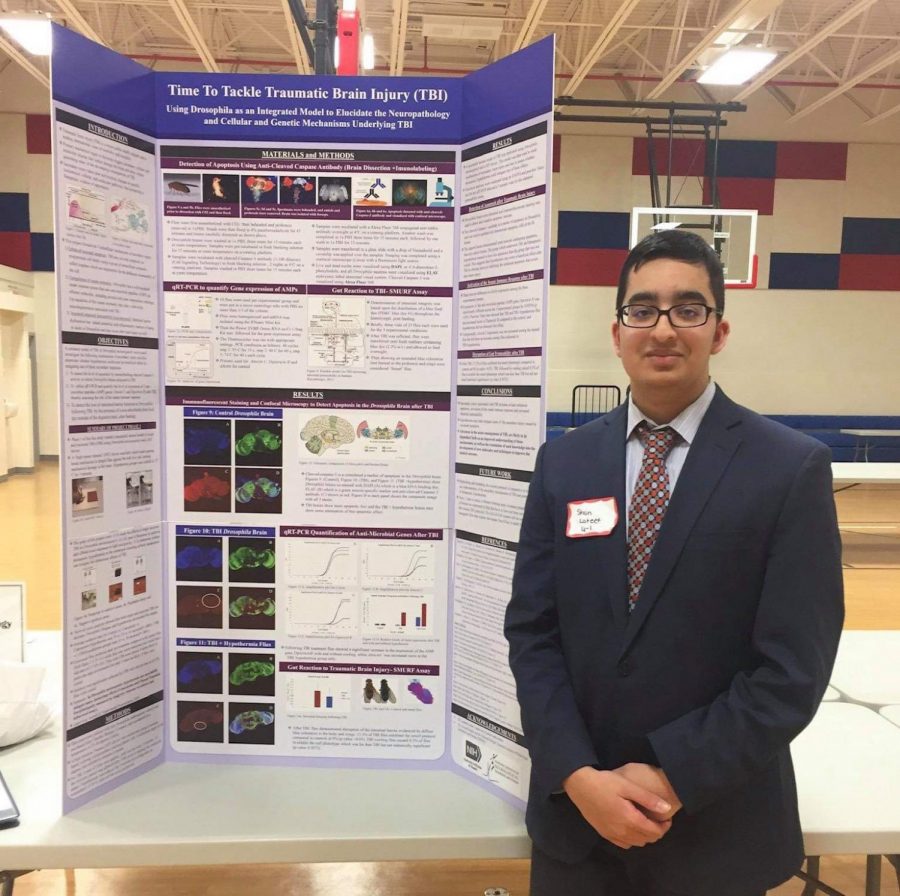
x: 194, y: 670
x: 201, y: 441
x: 196, y: 557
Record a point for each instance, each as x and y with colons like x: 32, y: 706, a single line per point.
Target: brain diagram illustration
x: 326, y: 431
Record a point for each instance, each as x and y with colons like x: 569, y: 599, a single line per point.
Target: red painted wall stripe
x: 870, y: 272
x: 744, y: 192
x: 688, y: 156
x: 589, y: 267
x: 37, y: 134
x: 557, y: 151
x: 15, y: 250
x: 811, y: 161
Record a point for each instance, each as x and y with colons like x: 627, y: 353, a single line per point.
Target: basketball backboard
x: 731, y: 232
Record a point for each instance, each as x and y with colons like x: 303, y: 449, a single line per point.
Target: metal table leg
x: 7, y: 878
x: 873, y: 875
x: 812, y: 869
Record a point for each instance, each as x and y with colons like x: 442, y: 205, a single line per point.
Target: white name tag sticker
x: 592, y: 517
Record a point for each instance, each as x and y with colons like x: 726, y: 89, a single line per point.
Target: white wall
x: 15, y: 388
x: 46, y: 337
x: 788, y: 353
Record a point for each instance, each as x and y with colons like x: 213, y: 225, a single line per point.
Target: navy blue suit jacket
x: 722, y: 663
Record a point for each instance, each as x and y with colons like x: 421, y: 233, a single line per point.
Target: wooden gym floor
x: 29, y: 551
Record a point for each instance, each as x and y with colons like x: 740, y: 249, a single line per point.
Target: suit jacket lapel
x: 717, y: 439
x: 606, y: 477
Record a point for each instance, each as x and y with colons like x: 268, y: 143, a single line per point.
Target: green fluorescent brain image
x: 247, y: 605
x: 247, y: 672
x: 250, y: 558
x: 260, y: 442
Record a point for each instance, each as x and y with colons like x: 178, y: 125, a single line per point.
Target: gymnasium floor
x: 29, y: 551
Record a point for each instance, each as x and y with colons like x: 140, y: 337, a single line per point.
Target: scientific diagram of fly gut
x: 337, y: 330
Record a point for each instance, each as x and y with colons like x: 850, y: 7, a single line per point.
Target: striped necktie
x: 648, y: 504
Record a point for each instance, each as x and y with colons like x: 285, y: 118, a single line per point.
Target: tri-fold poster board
x: 302, y: 326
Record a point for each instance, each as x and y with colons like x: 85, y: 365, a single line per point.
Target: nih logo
x: 473, y: 751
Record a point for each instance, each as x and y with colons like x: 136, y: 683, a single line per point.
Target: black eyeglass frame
x: 667, y: 312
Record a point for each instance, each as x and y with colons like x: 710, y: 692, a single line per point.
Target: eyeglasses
x: 681, y: 316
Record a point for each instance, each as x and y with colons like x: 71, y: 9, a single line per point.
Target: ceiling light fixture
x: 31, y: 32
x: 737, y: 66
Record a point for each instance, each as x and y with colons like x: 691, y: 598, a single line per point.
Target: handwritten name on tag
x: 592, y: 517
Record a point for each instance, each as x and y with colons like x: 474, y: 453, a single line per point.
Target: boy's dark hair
x: 682, y: 245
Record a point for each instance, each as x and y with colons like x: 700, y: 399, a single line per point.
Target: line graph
x: 325, y: 614
x: 322, y: 562
x: 398, y: 564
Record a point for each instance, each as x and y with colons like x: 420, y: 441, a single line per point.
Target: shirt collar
x: 685, y: 424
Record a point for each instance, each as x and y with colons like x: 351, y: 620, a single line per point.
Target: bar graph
x: 317, y: 700
x: 421, y: 620
x: 315, y: 693
x: 398, y: 615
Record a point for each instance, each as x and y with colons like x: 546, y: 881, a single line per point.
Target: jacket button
x: 625, y: 668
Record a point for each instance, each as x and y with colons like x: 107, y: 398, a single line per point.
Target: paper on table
x: 21, y: 714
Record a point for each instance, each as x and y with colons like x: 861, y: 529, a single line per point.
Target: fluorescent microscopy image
x: 247, y: 672
x: 258, y: 488
x: 247, y: 605
x: 198, y: 606
x: 200, y: 722
x: 199, y: 673
x: 251, y: 673
x: 256, y: 444
x: 410, y: 192
x: 207, y: 490
x: 251, y: 560
x: 219, y: 188
x: 250, y: 719
x: 199, y: 719
x: 207, y: 442
x: 262, y: 441
x: 298, y: 190
x: 198, y: 559
x: 251, y: 608
x: 334, y: 190
x: 257, y: 188
x: 251, y: 723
